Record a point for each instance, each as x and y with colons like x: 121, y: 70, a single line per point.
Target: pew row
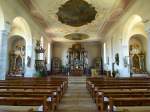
x: 33, y: 88
x: 102, y: 90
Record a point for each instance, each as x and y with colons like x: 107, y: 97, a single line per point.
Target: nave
x: 77, y: 98
x: 75, y: 94
x: 74, y: 55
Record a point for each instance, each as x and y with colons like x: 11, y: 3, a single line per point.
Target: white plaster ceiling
x: 47, y: 9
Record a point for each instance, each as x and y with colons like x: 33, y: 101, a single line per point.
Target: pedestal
x: 77, y: 72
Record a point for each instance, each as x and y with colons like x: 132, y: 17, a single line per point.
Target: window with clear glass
x: 48, y: 54
x: 42, y: 41
x: 104, y: 47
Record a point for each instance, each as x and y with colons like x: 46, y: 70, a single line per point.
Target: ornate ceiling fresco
x: 76, y: 36
x: 76, y: 13
x: 91, y: 17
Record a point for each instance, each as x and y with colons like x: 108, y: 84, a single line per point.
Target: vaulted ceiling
x: 108, y: 12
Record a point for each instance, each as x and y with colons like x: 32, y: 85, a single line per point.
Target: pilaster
x: 3, y: 53
x: 148, y: 50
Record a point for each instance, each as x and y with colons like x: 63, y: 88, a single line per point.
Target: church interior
x: 74, y: 56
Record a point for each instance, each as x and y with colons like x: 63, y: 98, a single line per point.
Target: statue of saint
x: 29, y: 61
x: 136, y: 63
x: 19, y: 63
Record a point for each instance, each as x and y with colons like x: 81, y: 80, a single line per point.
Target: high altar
x: 77, y: 60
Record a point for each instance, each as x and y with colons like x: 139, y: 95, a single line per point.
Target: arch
x: 21, y: 28
x: 133, y: 26
x: 138, y: 53
x: 16, y: 48
x: 142, y: 39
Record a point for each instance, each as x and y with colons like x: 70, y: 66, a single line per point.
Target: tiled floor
x: 77, y: 98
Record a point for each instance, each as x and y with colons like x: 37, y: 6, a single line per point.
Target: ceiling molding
x: 35, y: 14
x: 108, y: 13
x: 76, y: 13
x: 116, y: 14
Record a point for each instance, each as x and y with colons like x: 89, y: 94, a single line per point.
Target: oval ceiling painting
x: 76, y: 13
x: 77, y: 36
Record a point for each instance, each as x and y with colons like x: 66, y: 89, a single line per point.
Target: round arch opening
x: 138, y: 54
x: 21, y: 33
x: 16, y: 53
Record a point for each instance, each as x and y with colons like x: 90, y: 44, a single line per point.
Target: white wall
x: 12, y: 9
x: 127, y: 26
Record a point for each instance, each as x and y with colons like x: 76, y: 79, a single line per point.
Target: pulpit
x: 40, y: 62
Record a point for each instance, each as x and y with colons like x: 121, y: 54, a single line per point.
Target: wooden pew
x: 117, y: 85
x: 127, y: 101
x: 26, y: 85
x: 30, y: 110
x: 118, y: 88
x: 31, y: 87
x: 48, y: 94
x: 28, y: 82
x: 121, y: 88
x: 62, y: 86
x: 35, y: 81
x: 26, y: 101
x: 53, y: 91
x: 103, y: 82
x: 102, y: 98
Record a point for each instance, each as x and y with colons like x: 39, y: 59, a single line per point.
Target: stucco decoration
x: 133, y: 26
x: 76, y: 13
x: 20, y: 27
x: 76, y: 36
x: 17, y: 56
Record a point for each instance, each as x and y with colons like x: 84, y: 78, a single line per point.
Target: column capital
x: 4, y: 31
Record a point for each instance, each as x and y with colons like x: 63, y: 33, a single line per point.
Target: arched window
x: 48, y: 54
x: 42, y: 42
x: 104, y: 51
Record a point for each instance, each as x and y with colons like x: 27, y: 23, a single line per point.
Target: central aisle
x: 77, y: 98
